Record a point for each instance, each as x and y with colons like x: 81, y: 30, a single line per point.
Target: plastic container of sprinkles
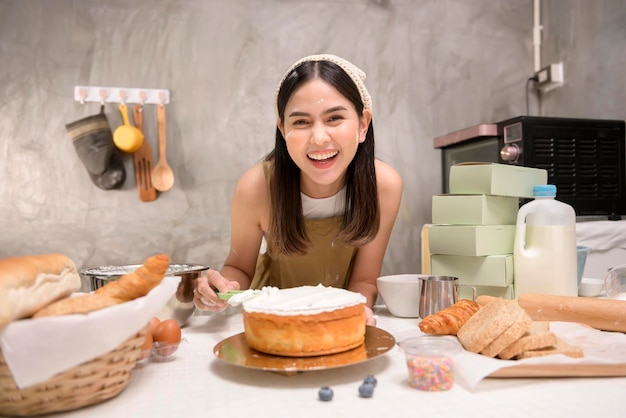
x: 430, y: 361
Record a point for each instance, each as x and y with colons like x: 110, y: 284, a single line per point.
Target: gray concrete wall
x: 433, y: 66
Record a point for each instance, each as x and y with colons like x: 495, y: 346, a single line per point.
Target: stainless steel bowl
x: 180, y: 307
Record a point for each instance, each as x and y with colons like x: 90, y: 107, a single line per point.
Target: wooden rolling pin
x: 603, y: 314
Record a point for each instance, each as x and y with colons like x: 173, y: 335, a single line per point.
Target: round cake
x: 304, y: 321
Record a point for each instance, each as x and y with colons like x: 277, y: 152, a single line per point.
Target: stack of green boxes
x: 473, y: 227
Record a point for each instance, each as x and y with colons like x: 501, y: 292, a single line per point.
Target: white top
x: 326, y: 207
x: 323, y: 208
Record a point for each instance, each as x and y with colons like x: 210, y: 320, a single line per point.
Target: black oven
x: 584, y: 158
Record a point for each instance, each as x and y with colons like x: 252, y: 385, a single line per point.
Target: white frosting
x: 239, y: 298
x: 302, y: 300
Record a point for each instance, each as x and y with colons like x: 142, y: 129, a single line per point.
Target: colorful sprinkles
x: 431, y: 373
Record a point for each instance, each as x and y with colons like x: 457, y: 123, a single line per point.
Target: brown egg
x: 166, y: 337
x: 146, y: 348
x: 154, y: 324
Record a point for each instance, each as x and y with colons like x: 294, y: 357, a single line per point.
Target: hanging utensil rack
x: 104, y: 95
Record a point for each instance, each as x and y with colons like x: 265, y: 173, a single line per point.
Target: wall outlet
x: 550, y: 77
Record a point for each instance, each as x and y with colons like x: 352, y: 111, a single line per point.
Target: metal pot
x: 180, y: 307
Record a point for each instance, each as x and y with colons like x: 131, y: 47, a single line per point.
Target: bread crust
x: 487, y: 324
x: 29, y: 283
x: 47, y: 281
x: 81, y: 304
x: 538, y: 336
x: 517, y: 329
x: 519, y: 336
x: 23, y: 271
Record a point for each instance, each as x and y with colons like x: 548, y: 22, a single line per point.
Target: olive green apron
x: 328, y: 261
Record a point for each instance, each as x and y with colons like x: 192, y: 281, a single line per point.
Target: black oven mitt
x: 94, y: 145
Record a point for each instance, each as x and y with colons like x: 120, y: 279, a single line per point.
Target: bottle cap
x: 545, y: 190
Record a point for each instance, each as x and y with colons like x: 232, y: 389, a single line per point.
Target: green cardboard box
x: 495, y: 179
x: 474, y: 209
x: 471, y: 240
x: 493, y: 270
x: 507, y: 292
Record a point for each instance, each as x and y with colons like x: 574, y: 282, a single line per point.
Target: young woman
x: 324, y: 205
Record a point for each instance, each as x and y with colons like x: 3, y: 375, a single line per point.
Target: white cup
x: 590, y: 287
x: 401, y: 294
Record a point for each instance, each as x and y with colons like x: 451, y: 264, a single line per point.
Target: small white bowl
x: 590, y: 287
x: 401, y: 294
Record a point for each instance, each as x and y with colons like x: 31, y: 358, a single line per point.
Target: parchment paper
x: 600, y: 347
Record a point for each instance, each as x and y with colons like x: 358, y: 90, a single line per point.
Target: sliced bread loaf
x: 518, y: 328
x: 538, y: 336
x: 488, y: 324
x: 561, y: 347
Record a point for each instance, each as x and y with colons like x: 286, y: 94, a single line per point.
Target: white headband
x: 355, y: 73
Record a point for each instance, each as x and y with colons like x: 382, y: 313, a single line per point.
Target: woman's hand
x: 205, y: 297
x: 369, y: 317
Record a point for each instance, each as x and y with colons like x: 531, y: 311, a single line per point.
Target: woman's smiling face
x: 322, y: 131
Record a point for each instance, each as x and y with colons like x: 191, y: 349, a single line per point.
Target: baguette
x: 29, y: 283
x: 81, y: 304
x: 448, y: 321
x: 128, y: 287
x: 138, y: 283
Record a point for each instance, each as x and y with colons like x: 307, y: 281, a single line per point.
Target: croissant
x: 448, y: 321
x: 138, y: 283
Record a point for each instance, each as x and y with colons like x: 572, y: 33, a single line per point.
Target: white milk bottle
x: 544, y: 259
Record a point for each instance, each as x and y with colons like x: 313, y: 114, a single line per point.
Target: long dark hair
x: 361, y: 216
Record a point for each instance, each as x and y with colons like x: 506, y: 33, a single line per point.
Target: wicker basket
x: 86, y: 384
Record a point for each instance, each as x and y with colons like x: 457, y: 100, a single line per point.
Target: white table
x: 197, y: 384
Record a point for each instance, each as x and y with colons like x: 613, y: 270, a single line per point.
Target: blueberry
x: 366, y: 390
x: 325, y: 393
x: 370, y: 379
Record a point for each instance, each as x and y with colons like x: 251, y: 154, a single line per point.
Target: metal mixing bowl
x: 180, y: 307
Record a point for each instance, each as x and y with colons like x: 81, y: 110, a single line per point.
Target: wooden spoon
x: 162, y: 175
